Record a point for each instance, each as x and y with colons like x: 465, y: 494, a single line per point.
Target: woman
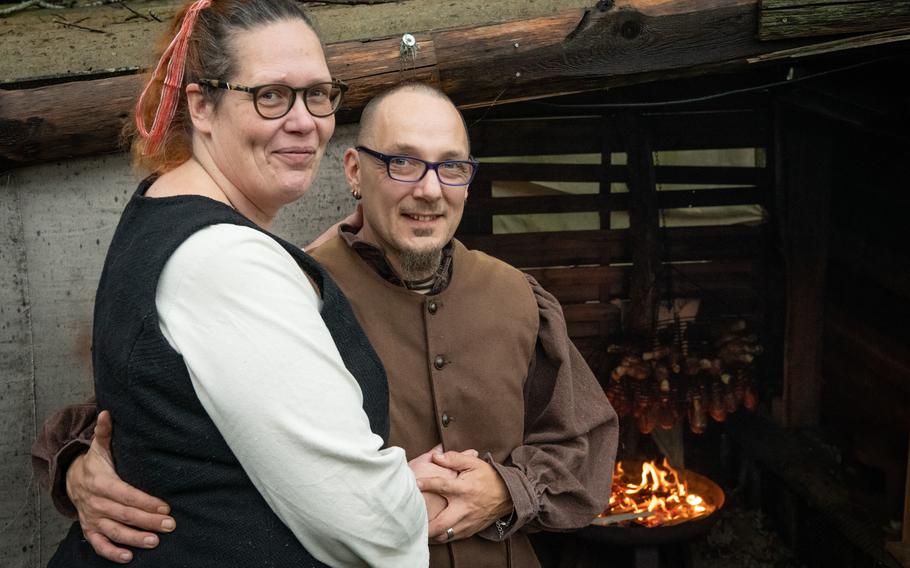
x: 215, y: 341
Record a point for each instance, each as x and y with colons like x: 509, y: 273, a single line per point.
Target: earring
x: 356, y: 194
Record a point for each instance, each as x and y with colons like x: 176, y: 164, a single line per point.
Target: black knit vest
x: 164, y: 442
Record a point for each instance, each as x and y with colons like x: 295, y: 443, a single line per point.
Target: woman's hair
x: 208, y: 55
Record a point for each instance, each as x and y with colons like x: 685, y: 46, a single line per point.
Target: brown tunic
x: 485, y: 363
x: 457, y: 363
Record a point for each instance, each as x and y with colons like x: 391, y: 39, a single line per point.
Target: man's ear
x: 352, y: 169
x: 201, y: 108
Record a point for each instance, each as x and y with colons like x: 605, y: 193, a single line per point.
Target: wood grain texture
x: 805, y: 162
x: 787, y: 19
x: 571, y: 248
x: 587, y: 134
x: 34, y: 46
x: 611, y: 202
x: 567, y: 52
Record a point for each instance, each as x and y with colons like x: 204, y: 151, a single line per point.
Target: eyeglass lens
x: 453, y: 172
x: 274, y: 101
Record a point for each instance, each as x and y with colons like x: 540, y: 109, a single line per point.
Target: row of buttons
x: 439, y: 362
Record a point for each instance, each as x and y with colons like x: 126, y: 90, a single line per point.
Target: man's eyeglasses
x: 410, y: 169
x: 275, y: 101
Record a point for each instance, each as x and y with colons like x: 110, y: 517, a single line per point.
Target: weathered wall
x: 57, y: 221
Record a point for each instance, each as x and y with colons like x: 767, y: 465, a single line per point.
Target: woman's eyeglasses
x: 276, y: 100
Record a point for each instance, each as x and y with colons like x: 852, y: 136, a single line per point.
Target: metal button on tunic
x: 446, y: 419
x: 432, y: 307
x: 439, y: 362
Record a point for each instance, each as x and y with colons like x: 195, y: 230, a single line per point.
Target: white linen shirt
x: 246, y: 320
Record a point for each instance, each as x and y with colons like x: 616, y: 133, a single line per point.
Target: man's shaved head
x: 366, y: 135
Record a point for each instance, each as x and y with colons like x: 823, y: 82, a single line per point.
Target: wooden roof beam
x: 611, y: 44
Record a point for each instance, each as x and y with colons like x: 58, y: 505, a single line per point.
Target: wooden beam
x: 574, y: 50
x: 36, y: 46
x: 566, y: 248
x: 787, y: 19
x: 612, y: 202
x: 585, y: 134
x: 804, y: 156
x: 644, y: 228
x: 901, y: 549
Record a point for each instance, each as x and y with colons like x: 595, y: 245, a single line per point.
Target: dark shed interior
x: 802, y: 237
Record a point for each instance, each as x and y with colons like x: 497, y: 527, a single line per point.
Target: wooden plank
x: 605, y: 186
x: 582, y: 284
x: 732, y: 281
x: 644, y: 228
x: 478, y: 224
x: 804, y: 157
x: 572, y: 248
x: 709, y: 243
x: 571, y: 51
x: 609, y: 41
x: 36, y: 127
x: 549, y: 249
x: 901, y: 550
x: 840, y: 44
x: 591, y: 320
x: 586, y: 135
x: 786, y: 19
x: 535, y: 137
x: 499, y: 171
x: 710, y: 130
x: 708, y: 197
x: 35, y: 46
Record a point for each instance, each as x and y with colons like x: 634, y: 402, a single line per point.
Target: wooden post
x: 804, y: 160
x: 478, y: 224
x: 901, y: 550
x: 644, y: 226
x: 606, y: 158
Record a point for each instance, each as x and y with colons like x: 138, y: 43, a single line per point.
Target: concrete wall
x: 56, y: 222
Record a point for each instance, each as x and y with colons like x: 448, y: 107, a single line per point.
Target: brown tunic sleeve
x: 560, y: 478
x: 64, y: 436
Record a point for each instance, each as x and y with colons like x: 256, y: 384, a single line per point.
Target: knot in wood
x: 630, y: 29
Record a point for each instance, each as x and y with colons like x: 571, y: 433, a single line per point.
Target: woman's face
x: 271, y: 162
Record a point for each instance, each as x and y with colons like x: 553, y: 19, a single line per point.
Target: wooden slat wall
x: 587, y: 270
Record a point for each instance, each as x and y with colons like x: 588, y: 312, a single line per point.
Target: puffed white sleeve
x: 247, y: 322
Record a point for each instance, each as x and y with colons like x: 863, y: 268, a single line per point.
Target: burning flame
x: 660, y: 494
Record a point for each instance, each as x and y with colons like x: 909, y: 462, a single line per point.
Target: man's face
x: 410, y: 217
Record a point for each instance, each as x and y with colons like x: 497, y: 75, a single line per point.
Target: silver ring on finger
x: 450, y: 533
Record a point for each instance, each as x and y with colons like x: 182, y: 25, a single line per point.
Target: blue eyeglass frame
x: 387, y: 159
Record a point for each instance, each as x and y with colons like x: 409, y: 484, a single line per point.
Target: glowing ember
x: 660, y: 494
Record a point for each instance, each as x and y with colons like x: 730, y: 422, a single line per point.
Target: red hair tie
x: 175, y: 57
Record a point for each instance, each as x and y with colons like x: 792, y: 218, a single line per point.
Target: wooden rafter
x: 630, y: 41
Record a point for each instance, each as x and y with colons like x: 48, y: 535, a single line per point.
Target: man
x: 477, y: 355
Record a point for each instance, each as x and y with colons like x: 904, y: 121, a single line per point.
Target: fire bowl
x: 667, y: 533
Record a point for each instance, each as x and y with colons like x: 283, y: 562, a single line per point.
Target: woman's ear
x: 200, y: 107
